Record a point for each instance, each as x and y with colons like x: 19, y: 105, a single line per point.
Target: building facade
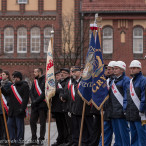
x: 123, y: 28
x: 25, y: 27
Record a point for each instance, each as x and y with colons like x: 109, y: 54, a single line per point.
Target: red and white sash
x: 73, y: 92
x: 136, y: 99
x: 18, y: 97
x: 134, y: 95
x: 5, y: 103
x: 69, y: 84
x: 107, y: 81
x: 37, y: 87
x: 59, y: 86
x: 117, y: 93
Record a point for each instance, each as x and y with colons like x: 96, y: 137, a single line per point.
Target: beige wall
x: 107, y: 22
x: 67, y: 6
x: 0, y: 5
x: 12, y: 5
x: 49, y: 4
x: 139, y: 22
x: 68, y: 14
x: 32, y: 5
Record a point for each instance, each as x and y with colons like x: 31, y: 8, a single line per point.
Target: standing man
x: 117, y: 93
x: 65, y: 74
x: 38, y: 107
x: 77, y: 107
x: 134, y: 104
x: 19, y: 95
x: 108, y: 130
x: 57, y: 111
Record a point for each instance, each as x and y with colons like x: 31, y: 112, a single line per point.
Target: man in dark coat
x: 38, y: 107
x: 19, y: 95
x: 57, y: 112
x: 77, y: 107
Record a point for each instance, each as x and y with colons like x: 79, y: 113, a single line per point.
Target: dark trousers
x: 40, y: 114
x: 76, y: 122
x: 87, y: 129
x: 96, y: 132
x: 16, y: 124
x: 69, y: 126
x: 2, y: 128
x: 61, y: 127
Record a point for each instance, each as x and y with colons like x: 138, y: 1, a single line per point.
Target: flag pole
x: 82, y: 123
x: 4, y: 116
x: 98, y: 20
x: 49, y: 120
x: 102, y: 126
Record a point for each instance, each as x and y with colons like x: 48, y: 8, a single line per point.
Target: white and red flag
x: 50, y: 87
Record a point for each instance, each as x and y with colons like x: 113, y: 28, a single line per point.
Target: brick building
x: 123, y: 28
x: 25, y: 27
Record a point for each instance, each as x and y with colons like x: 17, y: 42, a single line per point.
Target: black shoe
x: 69, y: 143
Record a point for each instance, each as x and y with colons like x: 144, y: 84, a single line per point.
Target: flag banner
x: 99, y: 85
x: 50, y: 88
x: 85, y: 88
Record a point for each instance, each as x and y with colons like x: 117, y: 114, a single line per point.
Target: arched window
x: 9, y: 40
x: 107, y: 40
x: 138, y: 40
x: 22, y: 40
x: 47, y: 36
x: 35, y: 40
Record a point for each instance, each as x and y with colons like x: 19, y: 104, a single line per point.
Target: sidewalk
x: 53, y: 133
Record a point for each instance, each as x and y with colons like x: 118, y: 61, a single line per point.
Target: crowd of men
x: 124, y: 111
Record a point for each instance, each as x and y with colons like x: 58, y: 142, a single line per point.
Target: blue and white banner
x: 99, y: 87
x: 85, y: 88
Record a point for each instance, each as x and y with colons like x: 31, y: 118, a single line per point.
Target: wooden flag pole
x: 4, y: 116
x: 50, y: 100
x: 82, y: 123
x: 102, y: 126
x: 49, y: 122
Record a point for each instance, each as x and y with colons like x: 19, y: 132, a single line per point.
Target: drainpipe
x: 82, y: 33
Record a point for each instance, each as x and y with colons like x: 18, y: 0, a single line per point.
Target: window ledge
x: 107, y: 56
x: 138, y: 56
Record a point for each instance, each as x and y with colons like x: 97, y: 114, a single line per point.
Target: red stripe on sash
x: 5, y: 103
x: 69, y: 84
x: 37, y: 88
x: 72, y: 92
x: 16, y: 94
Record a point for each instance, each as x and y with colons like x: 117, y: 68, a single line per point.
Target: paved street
x: 53, y: 133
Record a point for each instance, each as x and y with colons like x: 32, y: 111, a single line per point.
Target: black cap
x: 17, y: 74
x: 65, y: 69
x: 76, y: 68
x: 57, y: 72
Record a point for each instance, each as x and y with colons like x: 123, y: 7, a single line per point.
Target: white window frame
x: 35, y: 37
x: 137, y: 37
x: 21, y: 37
x: 106, y: 38
x: 8, y: 37
x: 22, y: 1
x: 47, y: 37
